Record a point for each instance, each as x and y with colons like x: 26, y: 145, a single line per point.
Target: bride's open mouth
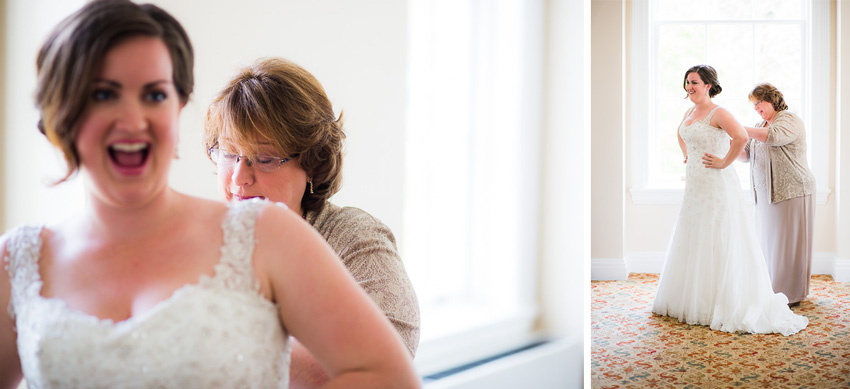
x: 129, y: 157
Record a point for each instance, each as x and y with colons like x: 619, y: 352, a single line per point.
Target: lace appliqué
x: 24, y: 244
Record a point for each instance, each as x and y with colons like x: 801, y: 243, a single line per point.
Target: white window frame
x: 816, y: 98
x: 465, y: 330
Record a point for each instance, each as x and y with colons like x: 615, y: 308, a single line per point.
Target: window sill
x: 674, y: 196
x: 462, y: 334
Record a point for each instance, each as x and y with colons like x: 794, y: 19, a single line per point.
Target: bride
x: 715, y: 273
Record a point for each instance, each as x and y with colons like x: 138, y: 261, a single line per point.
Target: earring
x: 311, y: 184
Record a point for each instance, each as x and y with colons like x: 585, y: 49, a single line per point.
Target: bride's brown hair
x: 70, y: 58
x: 708, y: 75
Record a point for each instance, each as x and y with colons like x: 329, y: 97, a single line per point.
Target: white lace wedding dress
x: 218, y: 333
x: 715, y: 273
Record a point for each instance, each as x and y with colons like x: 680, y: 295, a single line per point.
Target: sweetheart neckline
x: 142, y: 317
x: 707, y: 116
x: 707, y: 124
x: 203, y: 279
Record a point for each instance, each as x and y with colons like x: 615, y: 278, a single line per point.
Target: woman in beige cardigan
x: 783, y: 186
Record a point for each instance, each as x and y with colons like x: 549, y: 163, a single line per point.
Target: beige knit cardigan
x: 368, y: 250
x: 779, y: 164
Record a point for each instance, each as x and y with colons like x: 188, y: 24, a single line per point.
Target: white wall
x: 842, y: 150
x: 29, y: 161
x: 607, y: 180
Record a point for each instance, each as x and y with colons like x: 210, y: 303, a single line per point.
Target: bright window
x: 471, y: 159
x: 747, y: 42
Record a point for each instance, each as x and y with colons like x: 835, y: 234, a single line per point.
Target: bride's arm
x: 745, y: 153
x: 727, y: 122
x: 682, y: 144
x: 10, y: 364
x: 322, y: 306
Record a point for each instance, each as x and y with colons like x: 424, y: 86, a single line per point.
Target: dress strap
x: 235, y: 270
x: 23, y: 248
x: 710, y: 114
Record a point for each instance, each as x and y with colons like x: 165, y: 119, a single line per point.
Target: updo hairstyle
x: 708, y: 75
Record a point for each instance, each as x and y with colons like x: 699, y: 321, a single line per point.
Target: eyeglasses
x: 265, y: 163
x: 757, y: 103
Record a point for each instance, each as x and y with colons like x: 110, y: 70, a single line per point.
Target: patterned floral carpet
x: 632, y: 348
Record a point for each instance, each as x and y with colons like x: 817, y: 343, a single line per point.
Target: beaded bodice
x: 705, y: 184
x: 218, y: 333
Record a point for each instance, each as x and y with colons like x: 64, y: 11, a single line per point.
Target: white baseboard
x: 842, y: 270
x: 608, y: 269
x: 604, y: 269
x: 823, y: 263
x: 645, y: 262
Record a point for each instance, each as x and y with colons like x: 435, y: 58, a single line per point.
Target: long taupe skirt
x: 786, y: 240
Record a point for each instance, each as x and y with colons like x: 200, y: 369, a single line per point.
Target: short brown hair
x: 70, y: 59
x: 277, y: 101
x: 708, y: 75
x: 768, y: 92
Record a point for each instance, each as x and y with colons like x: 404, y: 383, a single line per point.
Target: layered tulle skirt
x: 714, y: 272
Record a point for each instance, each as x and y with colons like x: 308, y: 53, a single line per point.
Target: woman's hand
x: 714, y: 162
x: 727, y: 122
